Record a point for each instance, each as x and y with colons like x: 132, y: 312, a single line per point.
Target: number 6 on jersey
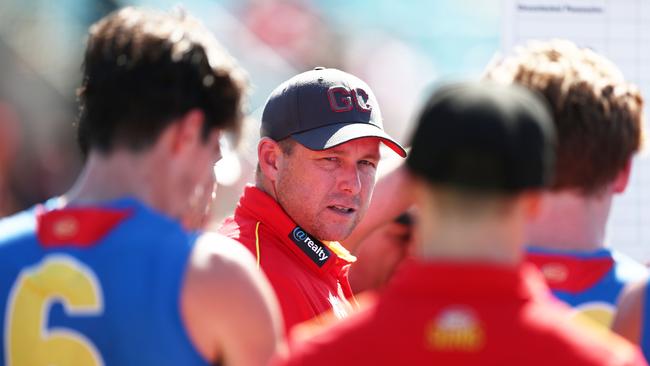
x: 58, y: 278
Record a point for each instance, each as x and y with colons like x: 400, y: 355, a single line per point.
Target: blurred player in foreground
x: 106, y: 274
x: 598, y: 117
x: 480, y: 156
x: 318, y: 157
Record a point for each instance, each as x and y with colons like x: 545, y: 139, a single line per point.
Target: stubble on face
x: 311, y: 216
x: 306, y: 193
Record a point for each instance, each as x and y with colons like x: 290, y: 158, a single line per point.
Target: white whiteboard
x: 620, y: 30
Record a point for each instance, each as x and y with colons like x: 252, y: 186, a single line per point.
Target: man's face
x: 327, y: 192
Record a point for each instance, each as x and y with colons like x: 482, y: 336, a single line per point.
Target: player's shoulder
x: 220, y: 265
x: 579, y: 341
x: 222, y: 286
x: 630, y: 320
x: 219, y: 252
x: 343, y: 342
x: 634, y: 292
x: 602, y: 347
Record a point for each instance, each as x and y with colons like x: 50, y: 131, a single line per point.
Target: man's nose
x: 350, y: 179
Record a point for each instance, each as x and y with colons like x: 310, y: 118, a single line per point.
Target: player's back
x: 463, y: 315
x: 93, y: 285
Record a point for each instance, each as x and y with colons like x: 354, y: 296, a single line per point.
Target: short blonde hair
x: 598, y: 115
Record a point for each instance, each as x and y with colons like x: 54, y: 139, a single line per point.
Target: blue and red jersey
x: 590, y: 282
x: 463, y: 314
x: 93, y: 286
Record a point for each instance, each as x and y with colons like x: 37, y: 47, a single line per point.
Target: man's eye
x: 332, y: 159
x: 367, y: 162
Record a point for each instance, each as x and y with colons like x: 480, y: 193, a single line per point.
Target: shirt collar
x: 469, y: 280
x: 320, y: 256
x: 584, y: 254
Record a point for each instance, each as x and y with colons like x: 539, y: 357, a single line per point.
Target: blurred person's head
x: 293, y: 29
x: 158, y: 88
x: 379, y: 254
x: 597, y: 114
x: 319, y: 150
x: 598, y: 118
x: 480, y: 155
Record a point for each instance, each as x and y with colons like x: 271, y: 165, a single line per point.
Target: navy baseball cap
x: 323, y: 108
x: 486, y: 137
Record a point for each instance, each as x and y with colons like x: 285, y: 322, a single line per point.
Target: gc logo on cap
x: 342, y: 100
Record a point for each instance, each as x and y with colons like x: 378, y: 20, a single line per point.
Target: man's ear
x: 269, y: 155
x: 187, y: 131
x: 623, y: 177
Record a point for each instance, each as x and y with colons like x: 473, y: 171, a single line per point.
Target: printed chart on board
x: 620, y: 30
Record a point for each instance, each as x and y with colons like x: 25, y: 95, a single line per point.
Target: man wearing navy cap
x: 318, y: 154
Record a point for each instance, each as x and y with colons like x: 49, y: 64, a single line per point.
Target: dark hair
x: 142, y: 69
x: 405, y: 219
x: 598, y: 116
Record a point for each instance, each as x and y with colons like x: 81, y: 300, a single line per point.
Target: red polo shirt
x: 448, y: 314
x: 309, y: 277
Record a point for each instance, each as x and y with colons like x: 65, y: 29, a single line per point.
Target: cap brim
x: 329, y: 136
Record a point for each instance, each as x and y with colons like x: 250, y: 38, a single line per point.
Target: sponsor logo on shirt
x: 65, y: 228
x: 455, y: 329
x: 555, y: 272
x: 313, y: 248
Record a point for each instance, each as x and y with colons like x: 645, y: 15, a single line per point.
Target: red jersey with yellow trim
x: 309, y: 277
x: 449, y: 314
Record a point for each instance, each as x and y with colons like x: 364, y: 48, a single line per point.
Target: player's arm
x: 389, y: 200
x: 228, y: 306
x: 629, y: 314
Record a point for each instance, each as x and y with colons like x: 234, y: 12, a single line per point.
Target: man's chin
x: 333, y: 235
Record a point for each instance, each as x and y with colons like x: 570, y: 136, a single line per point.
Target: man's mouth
x: 342, y: 209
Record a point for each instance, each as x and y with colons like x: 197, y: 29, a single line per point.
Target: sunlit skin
x: 327, y: 192
x: 378, y: 255
x: 202, y: 181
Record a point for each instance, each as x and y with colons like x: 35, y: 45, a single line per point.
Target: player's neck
x: 571, y: 221
x: 265, y: 185
x: 121, y: 174
x: 497, y: 241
